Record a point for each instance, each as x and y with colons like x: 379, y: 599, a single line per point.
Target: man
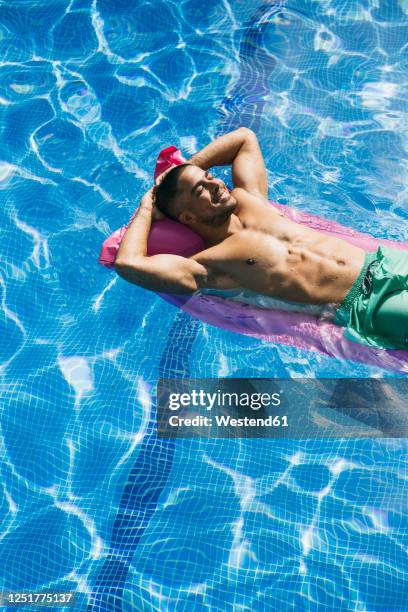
x: 250, y: 244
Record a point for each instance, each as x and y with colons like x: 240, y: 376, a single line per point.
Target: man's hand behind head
x: 157, y: 215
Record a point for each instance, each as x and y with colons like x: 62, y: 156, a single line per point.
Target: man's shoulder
x: 239, y: 192
x: 248, y: 198
x: 248, y: 202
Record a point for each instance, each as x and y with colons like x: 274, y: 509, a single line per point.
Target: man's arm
x: 240, y: 149
x: 166, y: 273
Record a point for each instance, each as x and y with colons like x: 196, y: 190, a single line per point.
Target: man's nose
x: 215, y: 188
x: 215, y: 185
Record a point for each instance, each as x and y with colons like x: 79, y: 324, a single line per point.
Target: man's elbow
x: 125, y: 267
x: 248, y: 132
x: 121, y: 264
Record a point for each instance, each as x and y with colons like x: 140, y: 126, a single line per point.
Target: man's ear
x: 186, y: 217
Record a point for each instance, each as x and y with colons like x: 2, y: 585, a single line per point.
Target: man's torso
x: 275, y: 256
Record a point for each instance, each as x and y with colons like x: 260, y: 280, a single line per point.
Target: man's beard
x: 220, y: 217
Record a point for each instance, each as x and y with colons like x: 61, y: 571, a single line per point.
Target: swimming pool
x: 92, y: 500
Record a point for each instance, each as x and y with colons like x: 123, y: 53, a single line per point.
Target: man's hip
x: 375, y: 311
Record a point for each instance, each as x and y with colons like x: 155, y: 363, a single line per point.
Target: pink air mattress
x: 301, y: 330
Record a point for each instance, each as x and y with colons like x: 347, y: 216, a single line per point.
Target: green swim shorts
x: 375, y: 311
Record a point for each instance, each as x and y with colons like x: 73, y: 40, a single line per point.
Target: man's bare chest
x: 269, y: 221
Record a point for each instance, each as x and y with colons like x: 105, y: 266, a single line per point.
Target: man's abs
x: 300, y: 264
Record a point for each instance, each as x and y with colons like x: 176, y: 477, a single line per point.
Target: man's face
x: 204, y: 198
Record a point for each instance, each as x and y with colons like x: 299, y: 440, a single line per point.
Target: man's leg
x: 391, y: 319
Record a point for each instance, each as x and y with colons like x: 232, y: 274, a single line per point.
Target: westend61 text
x: 228, y: 421
x: 282, y: 408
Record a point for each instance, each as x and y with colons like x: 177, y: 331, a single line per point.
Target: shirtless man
x: 250, y: 244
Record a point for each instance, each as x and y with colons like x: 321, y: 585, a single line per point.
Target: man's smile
x: 221, y: 196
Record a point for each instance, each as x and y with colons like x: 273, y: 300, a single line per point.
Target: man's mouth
x: 222, y: 197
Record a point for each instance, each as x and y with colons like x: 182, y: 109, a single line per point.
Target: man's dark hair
x: 167, y: 192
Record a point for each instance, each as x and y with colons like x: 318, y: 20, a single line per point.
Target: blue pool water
x: 90, y: 499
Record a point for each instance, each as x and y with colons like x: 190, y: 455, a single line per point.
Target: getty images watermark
x: 214, y: 401
x: 281, y: 408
